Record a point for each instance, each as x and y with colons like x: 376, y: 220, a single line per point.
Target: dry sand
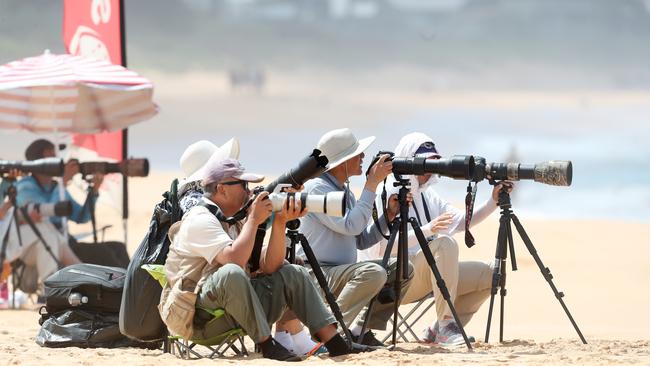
x: 603, y: 267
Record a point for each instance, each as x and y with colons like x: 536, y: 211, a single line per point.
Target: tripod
x: 295, y: 238
x: 505, y: 243
x: 399, y: 229
x: 12, y: 193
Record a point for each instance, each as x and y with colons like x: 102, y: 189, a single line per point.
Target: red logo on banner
x: 92, y: 28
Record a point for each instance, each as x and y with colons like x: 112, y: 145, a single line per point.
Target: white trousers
x: 468, y: 283
x: 32, y: 252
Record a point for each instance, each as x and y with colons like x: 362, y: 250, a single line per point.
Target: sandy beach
x: 601, y: 266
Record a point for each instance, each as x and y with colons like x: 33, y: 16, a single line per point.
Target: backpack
x: 139, y: 317
x: 100, y: 285
x: 82, y: 302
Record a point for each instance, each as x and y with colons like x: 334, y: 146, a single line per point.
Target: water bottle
x: 76, y: 299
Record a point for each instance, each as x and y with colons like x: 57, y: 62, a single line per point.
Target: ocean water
x: 609, y: 149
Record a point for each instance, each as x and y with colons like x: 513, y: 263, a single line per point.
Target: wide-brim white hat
x: 341, y: 145
x: 196, y: 157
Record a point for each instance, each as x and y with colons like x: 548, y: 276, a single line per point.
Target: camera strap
x: 375, y: 216
x: 216, y: 211
x: 427, y: 214
x: 469, y: 211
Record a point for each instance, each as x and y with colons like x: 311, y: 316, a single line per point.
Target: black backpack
x: 139, y: 317
x: 100, y: 285
x: 82, y: 302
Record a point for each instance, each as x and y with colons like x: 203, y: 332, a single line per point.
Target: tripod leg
x: 384, y: 263
x: 498, y: 272
x: 546, y: 273
x: 440, y: 282
x: 320, y: 277
x: 399, y: 269
x: 504, y: 266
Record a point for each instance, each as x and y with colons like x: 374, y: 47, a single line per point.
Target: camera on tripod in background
x: 129, y: 167
x: 46, y: 166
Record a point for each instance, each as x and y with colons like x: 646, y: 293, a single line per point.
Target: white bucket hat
x: 196, y: 157
x: 340, y: 145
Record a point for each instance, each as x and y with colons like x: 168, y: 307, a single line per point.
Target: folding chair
x: 405, y: 324
x: 217, y: 345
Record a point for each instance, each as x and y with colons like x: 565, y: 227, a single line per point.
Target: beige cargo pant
x: 469, y: 283
x: 354, y: 285
x: 256, y: 303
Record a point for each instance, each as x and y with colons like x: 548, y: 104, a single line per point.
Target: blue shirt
x: 335, y: 240
x: 30, y: 191
x: 4, y: 185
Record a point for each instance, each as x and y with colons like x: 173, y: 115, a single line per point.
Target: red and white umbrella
x: 67, y: 93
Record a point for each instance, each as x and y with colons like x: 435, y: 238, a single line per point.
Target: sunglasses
x: 244, y: 183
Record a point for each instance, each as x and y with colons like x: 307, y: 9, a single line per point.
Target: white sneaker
x: 449, y: 335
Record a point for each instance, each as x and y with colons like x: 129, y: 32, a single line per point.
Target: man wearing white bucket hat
x: 335, y: 240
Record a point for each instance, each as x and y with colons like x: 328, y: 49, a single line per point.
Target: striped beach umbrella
x: 67, y: 93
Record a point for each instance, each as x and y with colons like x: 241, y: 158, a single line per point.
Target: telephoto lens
x: 129, y: 167
x: 552, y: 172
x: 46, y: 166
x: 456, y: 167
x: 331, y: 204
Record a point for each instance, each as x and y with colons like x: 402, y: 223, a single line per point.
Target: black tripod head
x: 293, y: 225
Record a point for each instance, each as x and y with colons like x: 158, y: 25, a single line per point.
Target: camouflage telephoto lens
x: 553, y: 172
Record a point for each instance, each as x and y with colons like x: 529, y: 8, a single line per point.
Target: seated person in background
x: 39, y: 188
x: 468, y: 282
x: 40, y: 259
x: 208, y: 267
x: 290, y: 333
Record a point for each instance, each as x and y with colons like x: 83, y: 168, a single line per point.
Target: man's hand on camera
x: 261, y: 208
x: 393, y: 205
x: 71, y: 168
x: 495, y: 191
x: 440, y: 223
x: 379, y: 172
x: 292, y: 212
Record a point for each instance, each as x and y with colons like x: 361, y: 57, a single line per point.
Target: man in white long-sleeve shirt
x: 468, y: 282
x: 335, y: 240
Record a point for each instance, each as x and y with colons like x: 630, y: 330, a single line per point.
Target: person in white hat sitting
x: 335, y: 240
x: 193, y: 162
x: 207, y: 267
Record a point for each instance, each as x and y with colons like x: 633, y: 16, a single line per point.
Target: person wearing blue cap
x: 468, y: 282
